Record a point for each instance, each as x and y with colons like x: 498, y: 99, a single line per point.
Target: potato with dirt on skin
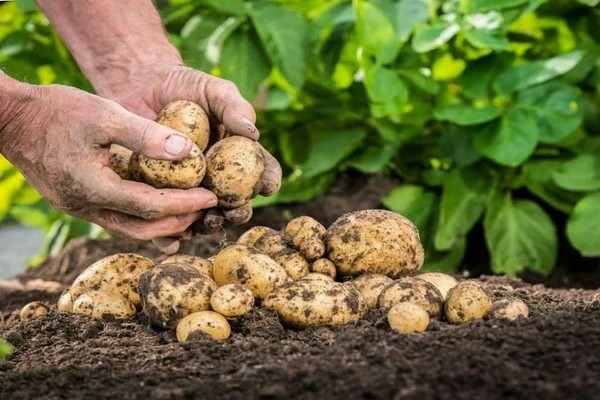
x: 294, y: 264
x: 208, y: 322
x: 119, y: 161
x: 370, y: 287
x: 102, y: 305
x: 407, y: 317
x: 119, y: 273
x: 33, y: 310
x: 443, y: 282
x: 232, y: 300
x: 203, y: 265
x: 173, y: 291
x: 510, y: 309
x: 412, y: 290
x: 307, y: 237
x: 324, y: 266
x: 309, y: 302
x: 272, y: 243
x: 1, y: 320
x: 250, y: 237
x: 376, y: 242
x: 188, y: 118
x: 466, y: 302
x: 316, y: 276
x: 247, y: 266
x: 65, y: 302
x: 234, y: 167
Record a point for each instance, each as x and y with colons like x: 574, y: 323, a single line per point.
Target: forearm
x: 111, y: 39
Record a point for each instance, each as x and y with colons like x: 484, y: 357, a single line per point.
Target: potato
x: 272, y: 243
x: 188, y: 118
x: 412, y: 290
x: 119, y: 161
x: 307, y: 237
x: 102, y: 305
x: 324, y: 266
x: 246, y: 265
x: 1, y: 320
x: 294, y: 264
x: 467, y: 301
x: 407, y: 317
x: 65, y: 302
x: 443, y: 282
x: 232, y: 300
x: 370, y: 287
x: 173, y: 291
x: 208, y: 322
x: 234, y: 166
x: 164, y: 174
x: 33, y: 310
x: 316, y: 276
x: 510, y: 309
x: 253, y: 234
x: 119, y: 273
x: 309, y: 302
x: 374, y: 241
x: 202, y: 265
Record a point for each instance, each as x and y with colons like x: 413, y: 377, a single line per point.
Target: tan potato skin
x: 325, y: 267
x: 65, y: 302
x: 466, y: 302
x: 309, y: 302
x: 407, y: 318
x: 253, y: 234
x: 100, y: 305
x: 209, y: 322
x: 163, y: 174
x: 307, y: 237
x: 272, y: 243
x: 232, y: 300
x: 247, y: 266
x: 374, y: 241
x: 119, y: 273
x: 443, y: 282
x: 173, y: 291
x: 412, y: 290
x: 203, y: 265
x: 1, y: 320
x: 119, y: 161
x: 509, y: 309
x: 234, y: 166
x: 33, y: 310
x: 294, y: 264
x: 370, y: 287
x: 316, y: 276
x: 188, y: 118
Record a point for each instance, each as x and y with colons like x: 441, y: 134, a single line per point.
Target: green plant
x: 5, y: 350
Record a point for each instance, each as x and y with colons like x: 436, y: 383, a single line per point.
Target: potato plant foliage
x: 487, y: 109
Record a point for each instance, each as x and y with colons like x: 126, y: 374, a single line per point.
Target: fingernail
x: 212, y: 202
x: 175, y: 144
x: 250, y: 126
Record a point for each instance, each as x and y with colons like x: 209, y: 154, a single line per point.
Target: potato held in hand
x: 188, y: 118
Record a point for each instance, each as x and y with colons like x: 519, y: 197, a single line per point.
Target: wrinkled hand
x: 61, y: 139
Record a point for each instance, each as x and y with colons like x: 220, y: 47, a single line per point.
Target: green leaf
x: 486, y: 5
x: 537, y: 176
x: 375, y: 32
x: 284, y: 35
x: 10, y: 185
x: 579, y: 174
x: 373, y: 159
x: 444, y: 261
x: 465, y: 194
x: 456, y: 145
x: 429, y: 37
x: 330, y: 148
x: 5, y: 349
x: 485, y: 39
x: 385, y: 85
x: 583, y: 227
x: 421, y: 81
x: 195, y: 34
x: 408, y: 14
x: 462, y: 114
x: 512, y: 141
x: 476, y: 79
x: 519, y: 235
x: 536, y: 72
x: 413, y: 202
x: 591, y: 3
x: 297, y: 189
x: 234, y: 7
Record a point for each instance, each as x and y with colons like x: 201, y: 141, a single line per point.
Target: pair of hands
x: 64, y: 143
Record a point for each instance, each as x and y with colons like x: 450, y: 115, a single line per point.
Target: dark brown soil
x: 555, y: 354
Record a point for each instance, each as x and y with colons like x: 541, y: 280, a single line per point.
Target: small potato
x: 307, y: 237
x: 102, y: 305
x: 467, y: 301
x: 376, y: 242
x: 407, y: 317
x: 119, y: 273
x: 324, y: 266
x: 33, y: 310
x: 510, y: 309
x: 316, y: 276
x: 293, y: 262
x: 272, y: 243
x: 412, y: 290
x: 232, y: 300
x: 202, y: 265
x: 246, y: 265
x: 443, y: 282
x: 65, y: 302
x: 234, y: 166
x: 370, y: 287
x: 119, y: 161
x: 164, y: 174
x: 188, y: 118
x: 208, y: 322
x: 173, y: 291
x: 309, y: 302
x: 253, y: 234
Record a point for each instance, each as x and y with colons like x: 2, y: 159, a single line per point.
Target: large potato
x: 374, y: 241
x: 234, y: 166
x: 412, y: 290
x: 467, y: 301
x: 307, y: 237
x: 370, y: 287
x: 253, y: 234
x: 313, y: 302
x: 173, y: 291
x: 443, y: 282
x: 247, y: 266
x: 102, y: 305
x: 203, y: 265
x: 119, y: 273
x: 188, y: 118
x: 209, y: 322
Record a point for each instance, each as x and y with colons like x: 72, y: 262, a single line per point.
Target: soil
x: 554, y: 354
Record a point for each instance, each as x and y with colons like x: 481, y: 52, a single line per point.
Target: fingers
x: 271, y: 177
x: 240, y: 215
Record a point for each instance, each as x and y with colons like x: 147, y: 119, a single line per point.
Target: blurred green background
x: 488, y: 110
